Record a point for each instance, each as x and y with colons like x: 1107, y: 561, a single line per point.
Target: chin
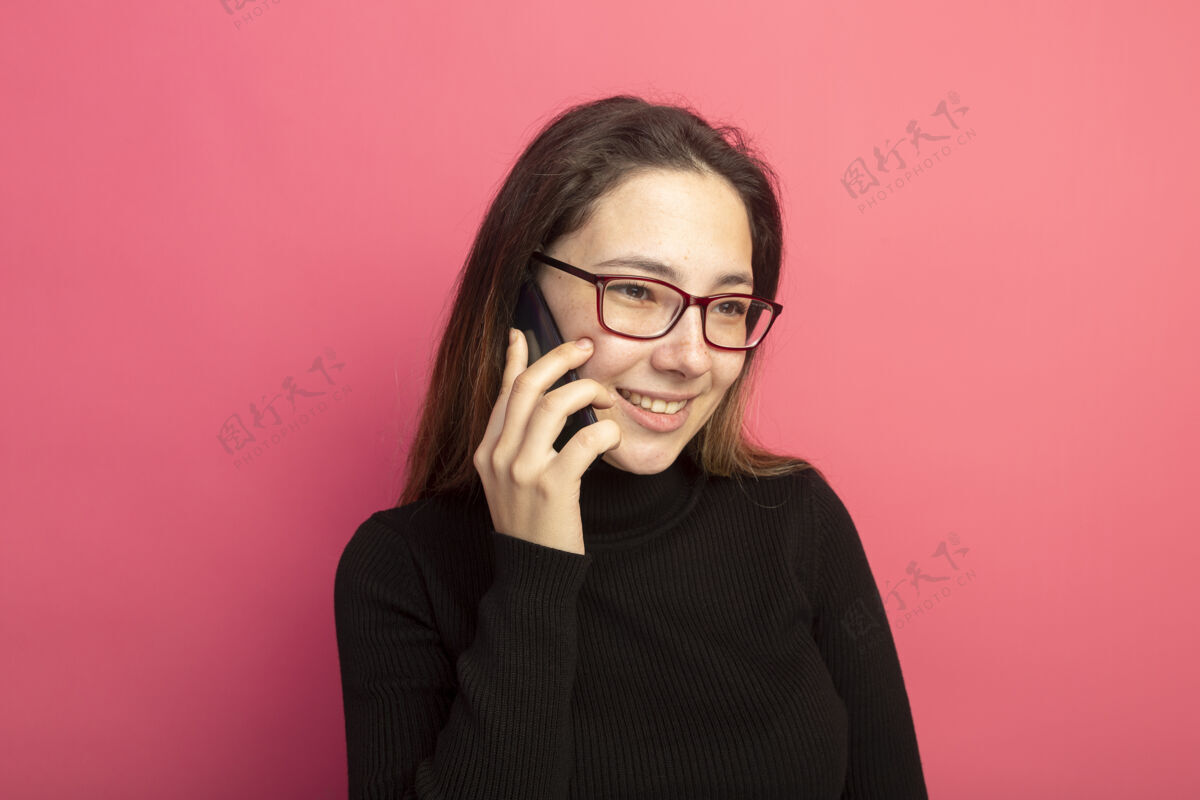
x: 641, y: 463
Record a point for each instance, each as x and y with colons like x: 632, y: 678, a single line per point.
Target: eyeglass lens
x: 639, y: 308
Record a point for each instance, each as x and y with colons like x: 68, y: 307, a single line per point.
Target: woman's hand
x: 532, y: 490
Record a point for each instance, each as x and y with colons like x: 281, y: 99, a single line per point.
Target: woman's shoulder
x: 436, y: 509
x: 781, y: 487
x: 815, y: 494
x: 429, y: 524
x: 800, y: 502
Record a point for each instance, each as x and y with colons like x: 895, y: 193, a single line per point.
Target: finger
x: 527, y: 390
x: 550, y: 414
x: 585, y: 447
x: 514, y: 362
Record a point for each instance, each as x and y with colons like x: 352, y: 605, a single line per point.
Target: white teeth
x: 657, y: 406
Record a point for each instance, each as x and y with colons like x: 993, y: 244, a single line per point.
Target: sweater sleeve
x: 852, y: 632
x: 495, y: 725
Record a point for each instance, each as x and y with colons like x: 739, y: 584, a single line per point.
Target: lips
x: 656, y: 405
x: 667, y: 396
x: 659, y: 423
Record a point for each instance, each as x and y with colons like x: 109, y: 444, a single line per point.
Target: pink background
x: 1000, y: 353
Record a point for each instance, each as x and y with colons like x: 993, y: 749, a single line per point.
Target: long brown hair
x: 576, y: 158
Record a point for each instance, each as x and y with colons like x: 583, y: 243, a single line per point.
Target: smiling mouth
x: 656, y: 406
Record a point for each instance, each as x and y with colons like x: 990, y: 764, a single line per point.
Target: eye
x: 630, y: 290
x: 732, y: 308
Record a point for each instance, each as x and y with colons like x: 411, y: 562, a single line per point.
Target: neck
x: 619, y: 506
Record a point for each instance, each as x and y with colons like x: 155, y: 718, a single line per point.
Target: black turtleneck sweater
x: 717, y: 640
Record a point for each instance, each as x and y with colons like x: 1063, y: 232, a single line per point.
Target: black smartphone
x: 534, y: 319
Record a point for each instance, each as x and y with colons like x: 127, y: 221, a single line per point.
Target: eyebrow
x: 670, y: 273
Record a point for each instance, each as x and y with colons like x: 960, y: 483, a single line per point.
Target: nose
x: 684, y: 350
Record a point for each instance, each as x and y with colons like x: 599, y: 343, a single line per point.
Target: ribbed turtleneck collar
x: 619, y: 507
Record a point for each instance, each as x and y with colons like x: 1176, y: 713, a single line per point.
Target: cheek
x: 727, y: 370
x: 611, y: 361
x: 576, y: 316
x: 600, y: 367
x: 724, y: 375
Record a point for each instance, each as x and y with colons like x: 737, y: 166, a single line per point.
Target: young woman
x: 659, y: 609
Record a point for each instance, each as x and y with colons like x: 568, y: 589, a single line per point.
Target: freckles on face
x: 619, y: 363
x: 611, y: 357
x: 691, y: 230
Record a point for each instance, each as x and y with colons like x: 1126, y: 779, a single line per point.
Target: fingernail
x: 583, y: 344
x: 512, y: 335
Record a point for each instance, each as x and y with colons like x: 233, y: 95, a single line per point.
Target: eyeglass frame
x: 689, y: 300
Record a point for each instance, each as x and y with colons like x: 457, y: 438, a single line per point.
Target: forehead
x: 685, y: 227
x: 737, y: 280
